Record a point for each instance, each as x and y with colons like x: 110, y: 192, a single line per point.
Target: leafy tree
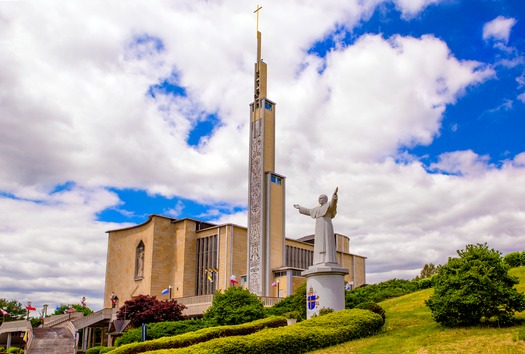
x: 147, y: 309
x: 234, y: 306
x: 427, y: 271
x: 515, y: 259
x: 475, y: 288
x: 78, y: 308
x: 14, y: 308
x: 294, y: 302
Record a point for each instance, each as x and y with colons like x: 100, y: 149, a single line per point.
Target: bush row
x: 315, y: 333
x: 201, y: 335
x: 161, y: 329
x: 379, y: 292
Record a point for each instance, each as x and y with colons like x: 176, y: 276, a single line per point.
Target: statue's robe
x: 324, y: 241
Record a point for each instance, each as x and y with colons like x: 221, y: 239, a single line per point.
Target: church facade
x: 193, y: 259
x: 189, y: 260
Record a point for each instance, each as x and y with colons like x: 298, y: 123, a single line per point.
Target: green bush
x: 425, y: 283
x: 515, y: 259
x: 315, y: 333
x: 201, y: 335
x: 161, y: 329
x: 294, y: 302
x: 95, y: 350
x: 325, y: 311
x: 475, y: 288
x: 15, y: 350
x: 379, y: 292
x: 294, y: 315
x: 106, y: 350
x: 371, y: 306
x: 234, y: 306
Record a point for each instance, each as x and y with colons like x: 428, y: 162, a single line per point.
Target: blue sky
x: 414, y: 108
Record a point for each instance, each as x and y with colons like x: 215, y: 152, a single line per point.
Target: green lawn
x: 409, y: 328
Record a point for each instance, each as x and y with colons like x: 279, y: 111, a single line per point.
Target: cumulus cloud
x: 498, y: 29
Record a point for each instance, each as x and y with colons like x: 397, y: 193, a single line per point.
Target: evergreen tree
x: 475, y: 288
x: 234, y: 306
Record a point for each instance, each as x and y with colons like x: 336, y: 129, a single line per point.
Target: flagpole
x: 170, y: 287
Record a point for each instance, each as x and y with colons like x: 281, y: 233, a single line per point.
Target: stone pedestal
x: 325, y: 288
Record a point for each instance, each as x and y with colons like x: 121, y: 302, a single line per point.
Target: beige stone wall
x: 120, y: 265
x: 276, y: 225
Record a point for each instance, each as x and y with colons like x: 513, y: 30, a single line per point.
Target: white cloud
x: 498, y: 29
x: 411, y: 8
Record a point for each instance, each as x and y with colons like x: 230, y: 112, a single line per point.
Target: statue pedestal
x: 325, y: 288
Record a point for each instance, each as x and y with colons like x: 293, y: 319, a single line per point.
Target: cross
x: 257, y: 21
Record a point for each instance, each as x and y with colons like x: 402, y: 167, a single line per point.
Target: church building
x: 188, y: 259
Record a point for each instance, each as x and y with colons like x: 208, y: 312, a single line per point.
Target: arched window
x: 139, y: 261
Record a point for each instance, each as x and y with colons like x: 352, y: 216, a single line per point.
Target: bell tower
x: 266, y: 188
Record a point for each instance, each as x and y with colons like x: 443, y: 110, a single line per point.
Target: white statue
x: 324, y: 241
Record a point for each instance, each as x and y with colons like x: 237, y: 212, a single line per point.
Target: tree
x: 475, y: 288
x: 78, y: 308
x: 15, y: 310
x: 427, y: 271
x: 235, y: 306
x: 147, y: 309
x: 515, y: 259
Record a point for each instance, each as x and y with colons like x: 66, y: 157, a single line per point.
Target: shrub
x: 199, y: 336
x: 475, y: 288
x: 424, y: 283
x: 106, y: 350
x: 371, y: 306
x: 147, y: 309
x: 515, y: 259
x: 379, y: 292
x: 294, y: 302
x: 161, y: 329
x: 294, y: 315
x: 315, y: 333
x: 95, y: 350
x: 15, y: 350
x: 325, y: 311
x: 234, y: 306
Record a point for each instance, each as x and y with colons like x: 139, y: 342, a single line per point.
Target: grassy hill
x: 409, y: 328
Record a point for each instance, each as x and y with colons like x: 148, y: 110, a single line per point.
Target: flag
x: 4, y: 312
x: 165, y: 291
x: 25, y: 337
x: 83, y: 302
x: 209, y: 278
x: 233, y: 279
x: 274, y: 284
x: 30, y: 308
x: 347, y: 287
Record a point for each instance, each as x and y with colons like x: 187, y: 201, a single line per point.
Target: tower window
x: 275, y: 179
x: 267, y: 105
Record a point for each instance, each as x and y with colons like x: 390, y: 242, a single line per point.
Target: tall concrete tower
x: 266, y: 189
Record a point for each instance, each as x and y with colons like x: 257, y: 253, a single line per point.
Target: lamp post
x: 170, y: 288
x: 278, y: 281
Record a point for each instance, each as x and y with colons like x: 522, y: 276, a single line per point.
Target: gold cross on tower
x: 257, y: 18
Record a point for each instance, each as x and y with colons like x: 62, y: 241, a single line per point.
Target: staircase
x: 52, y: 341
x: 107, y: 314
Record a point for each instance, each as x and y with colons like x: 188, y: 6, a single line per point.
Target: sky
x: 111, y: 111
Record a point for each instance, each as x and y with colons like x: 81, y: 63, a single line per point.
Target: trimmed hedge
x: 95, y: 350
x: 160, y: 330
x: 201, y: 335
x: 315, y: 333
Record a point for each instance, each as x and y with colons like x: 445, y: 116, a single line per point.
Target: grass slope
x: 409, y: 328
